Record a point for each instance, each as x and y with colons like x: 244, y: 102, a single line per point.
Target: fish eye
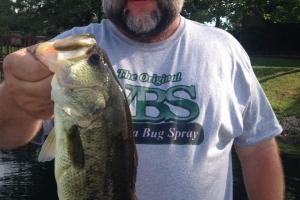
x: 94, y: 59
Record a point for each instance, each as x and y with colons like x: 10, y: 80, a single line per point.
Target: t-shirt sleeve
x: 259, y: 120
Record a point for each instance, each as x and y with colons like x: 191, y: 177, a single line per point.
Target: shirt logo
x: 163, y: 116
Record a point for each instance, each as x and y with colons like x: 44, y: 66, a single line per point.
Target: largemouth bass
x: 93, y: 145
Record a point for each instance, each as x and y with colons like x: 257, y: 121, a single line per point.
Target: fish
x: 92, y: 142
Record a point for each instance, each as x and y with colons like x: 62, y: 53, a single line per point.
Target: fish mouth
x: 53, y: 53
x: 45, y: 53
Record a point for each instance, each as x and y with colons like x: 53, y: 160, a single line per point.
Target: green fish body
x: 95, y: 155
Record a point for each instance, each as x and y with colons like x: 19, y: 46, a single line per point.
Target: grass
x: 288, y: 149
x: 280, y: 79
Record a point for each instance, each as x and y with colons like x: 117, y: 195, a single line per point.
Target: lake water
x: 23, y: 178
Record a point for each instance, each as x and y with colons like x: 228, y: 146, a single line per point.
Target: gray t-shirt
x: 192, y: 97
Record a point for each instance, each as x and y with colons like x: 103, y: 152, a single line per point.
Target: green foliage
x: 59, y: 15
x: 238, y: 14
x: 6, y: 13
x: 48, y: 17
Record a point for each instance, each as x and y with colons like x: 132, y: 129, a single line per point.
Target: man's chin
x: 140, y: 36
x: 147, y: 27
x: 146, y: 36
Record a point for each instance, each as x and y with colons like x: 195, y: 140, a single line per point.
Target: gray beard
x: 143, y: 23
x: 143, y: 26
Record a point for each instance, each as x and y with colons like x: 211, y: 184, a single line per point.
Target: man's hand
x: 262, y: 170
x: 27, y: 82
x: 24, y: 98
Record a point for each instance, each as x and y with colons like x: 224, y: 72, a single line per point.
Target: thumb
x: 22, y: 65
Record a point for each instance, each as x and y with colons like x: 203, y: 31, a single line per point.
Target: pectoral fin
x: 47, y: 152
x: 74, y: 147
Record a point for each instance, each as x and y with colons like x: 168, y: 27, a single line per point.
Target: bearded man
x: 193, y: 96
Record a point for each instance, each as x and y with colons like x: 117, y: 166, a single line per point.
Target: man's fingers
x: 44, y: 111
x: 19, y: 87
x: 34, y: 98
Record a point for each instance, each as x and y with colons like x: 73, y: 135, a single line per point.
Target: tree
x: 48, y: 17
x: 60, y: 15
x: 6, y: 12
x: 236, y: 14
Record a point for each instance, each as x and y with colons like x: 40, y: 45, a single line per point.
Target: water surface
x: 23, y: 178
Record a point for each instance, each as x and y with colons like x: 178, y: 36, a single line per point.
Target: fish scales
x: 95, y: 155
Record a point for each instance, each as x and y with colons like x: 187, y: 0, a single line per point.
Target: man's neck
x: 160, y: 37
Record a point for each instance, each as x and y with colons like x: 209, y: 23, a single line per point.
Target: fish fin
x: 133, y: 196
x: 47, y: 152
x: 74, y: 146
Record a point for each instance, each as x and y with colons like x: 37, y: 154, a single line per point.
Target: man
x: 193, y: 95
